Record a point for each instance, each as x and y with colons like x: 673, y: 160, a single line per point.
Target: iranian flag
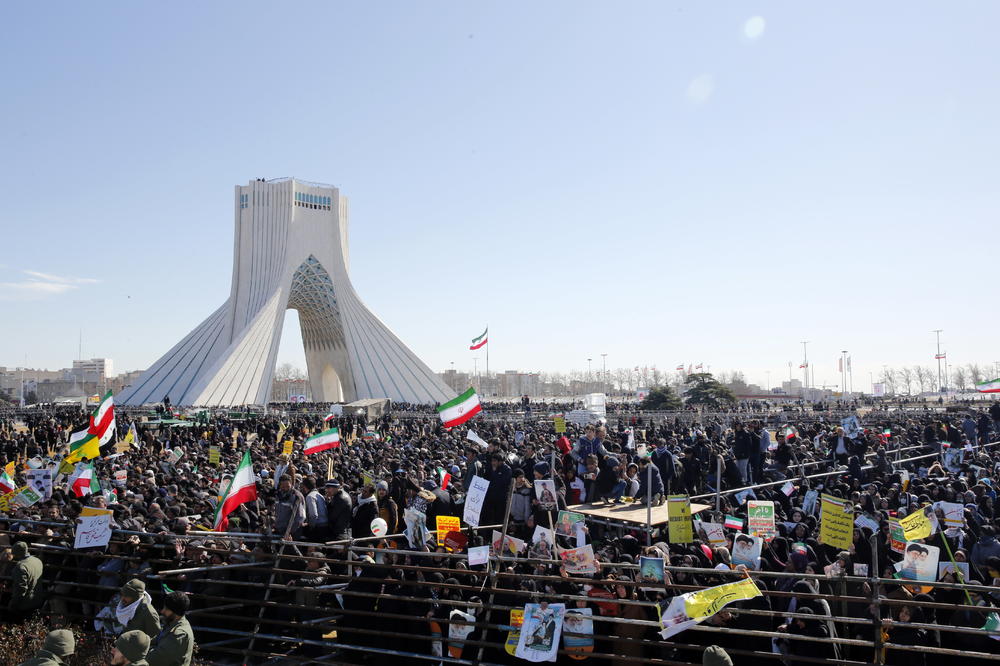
x: 102, y: 421
x: 83, y: 481
x: 328, y: 418
x: 328, y: 439
x: 242, y: 488
x: 481, y: 340
x: 7, y: 484
x: 733, y: 523
x: 445, y: 478
x: 461, y: 409
x: 992, y: 386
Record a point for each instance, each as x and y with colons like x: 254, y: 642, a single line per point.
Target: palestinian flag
x: 992, y: 386
x: 733, y: 523
x: 481, y: 340
x: 7, y: 484
x: 459, y: 410
x: 445, y: 478
x: 328, y: 439
x: 83, y: 444
x: 84, y: 481
x: 242, y: 488
x: 102, y: 421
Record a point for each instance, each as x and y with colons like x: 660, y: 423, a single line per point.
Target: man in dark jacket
x: 499, y: 475
x: 290, y: 511
x: 650, y: 482
x: 338, y: 511
x: 137, y: 602
x: 744, y: 446
x: 365, y: 513
x: 174, y: 645
x: 27, y: 594
x: 664, y: 461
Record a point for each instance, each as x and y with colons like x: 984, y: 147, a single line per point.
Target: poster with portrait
x: 578, y: 632
x: 511, y: 546
x: 40, y: 480
x: 541, y: 630
x: 746, y: 550
x: 566, y: 521
x: 579, y: 560
x: 711, y: 533
x: 920, y: 562
x: 945, y: 568
x: 543, y: 544
x: 545, y: 493
x: 416, y: 528
x: 951, y: 459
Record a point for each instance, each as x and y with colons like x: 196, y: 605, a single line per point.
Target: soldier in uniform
x: 26, y: 593
x: 130, y: 649
x: 58, y: 644
x: 174, y: 644
x: 136, y: 609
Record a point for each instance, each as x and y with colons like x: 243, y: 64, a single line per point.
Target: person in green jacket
x: 130, y: 649
x: 58, y: 644
x: 174, y: 644
x: 27, y: 594
x: 135, y: 609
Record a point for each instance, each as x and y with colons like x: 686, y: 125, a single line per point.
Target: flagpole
x: 487, y: 352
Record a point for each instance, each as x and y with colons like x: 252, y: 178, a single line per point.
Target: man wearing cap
x: 26, y: 595
x: 174, y: 644
x: 338, y: 511
x: 135, y: 609
x: 130, y: 649
x: 290, y: 510
x: 58, y: 644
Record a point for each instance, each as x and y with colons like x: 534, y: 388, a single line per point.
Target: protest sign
x: 5, y: 502
x: 214, y: 456
x: 711, y: 533
x: 479, y: 555
x: 897, y: 540
x: 743, y: 495
x: 287, y: 447
x: 651, y: 571
x: 560, y: 424
x: 679, y: 516
x: 945, y: 568
x: 851, y: 426
x: 543, y: 544
x: 578, y: 632
x: 951, y: 459
x: 809, y: 502
x: 788, y: 488
x: 25, y: 497
x: 476, y: 439
x: 920, y: 562
x: 954, y: 513
x: 416, y: 528
x: 691, y: 608
x: 836, y: 526
x: 566, y: 521
x: 579, y: 560
x: 474, y: 500
x: 446, y: 524
x: 916, y: 525
x: 540, y: 632
x: 121, y: 476
x: 92, y: 531
x: 516, y: 620
x: 866, y: 521
x: 40, y: 480
x: 511, y: 545
x: 176, y: 454
x: 760, y: 518
x: 746, y: 550
x: 455, y: 541
x: 545, y: 493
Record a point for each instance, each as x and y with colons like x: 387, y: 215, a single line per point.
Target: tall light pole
x: 768, y: 373
x: 604, y: 372
x: 805, y: 362
x: 937, y: 332
x: 590, y: 377
x: 843, y: 371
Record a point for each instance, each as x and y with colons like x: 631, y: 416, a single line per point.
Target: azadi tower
x: 290, y: 251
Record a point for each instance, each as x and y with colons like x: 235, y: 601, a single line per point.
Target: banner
x: 836, y: 522
x: 687, y: 610
x: 25, y: 497
x: 920, y: 562
x: 214, y: 457
x: 651, y: 571
x: 474, y: 500
x: 851, y: 426
x: 479, y: 555
x: 679, y: 516
x: 579, y: 560
x: 711, y: 533
x: 540, y: 632
x: 40, y: 480
x: 446, y: 524
x: 287, y: 447
x: 93, y: 531
x: 897, y: 540
x: 560, y: 424
x: 916, y: 526
x: 514, y: 635
x: 760, y: 518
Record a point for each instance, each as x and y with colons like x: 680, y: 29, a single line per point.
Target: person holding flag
x: 242, y: 488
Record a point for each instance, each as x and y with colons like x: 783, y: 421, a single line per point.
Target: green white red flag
x: 83, y: 481
x: 992, y: 386
x: 328, y: 439
x: 481, y: 340
x: 242, y: 488
x: 459, y: 410
x: 445, y: 478
x: 7, y: 484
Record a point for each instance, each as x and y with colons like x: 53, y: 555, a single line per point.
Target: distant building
x: 459, y: 382
x: 514, y: 383
x: 97, y: 370
x: 291, y: 390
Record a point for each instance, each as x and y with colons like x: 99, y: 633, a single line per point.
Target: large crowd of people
x: 314, y: 515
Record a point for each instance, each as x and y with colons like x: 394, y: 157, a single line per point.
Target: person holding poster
x: 746, y: 550
x: 540, y: 632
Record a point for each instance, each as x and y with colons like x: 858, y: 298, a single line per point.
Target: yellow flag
x: 915, y: 526
x: 281, y: 431
x: 708, y: 602
x: 287, y: 447
x: 9, y: 468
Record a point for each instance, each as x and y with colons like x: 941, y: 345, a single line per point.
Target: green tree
x: 705, y: 390
x: 661, y: 398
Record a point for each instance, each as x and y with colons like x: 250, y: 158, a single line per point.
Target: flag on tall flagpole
x: 938, y: 357
x: 328, y: 439
x: 698, y: 367
x: 459, y: 410
x: 804, y: 364
x: 242, y: 488
x: 481, y: 340
x: 991, y: 386
x: 680, y: 368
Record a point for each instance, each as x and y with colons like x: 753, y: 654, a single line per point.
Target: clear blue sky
x: 662, y: 182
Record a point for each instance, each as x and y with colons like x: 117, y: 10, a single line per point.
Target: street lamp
x: 604, y: 372
x: 590, y: 377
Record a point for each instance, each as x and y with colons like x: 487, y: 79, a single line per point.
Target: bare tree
x: 976, y: 373
x: 889, y: 379
x: 287, y: 371
x: 905, y: 377
x: 960, y: 377
x: 656, y: 377
x: 924, y: 377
